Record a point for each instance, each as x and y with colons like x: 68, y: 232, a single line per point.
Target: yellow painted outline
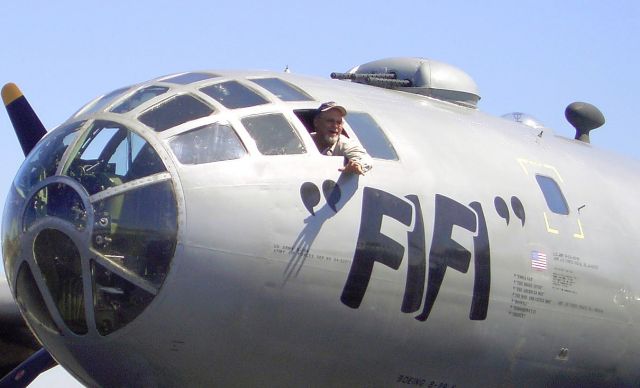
x: 526, y: 164
x: 555, y: 171
x: 549, y: 228
x: 581, y: 234
x: 523, y: 162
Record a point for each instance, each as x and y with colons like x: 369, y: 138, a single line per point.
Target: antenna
x: 584, y: 117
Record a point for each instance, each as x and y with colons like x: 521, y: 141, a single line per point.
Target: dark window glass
x: 553, y: 195
x: 175, y: 111
x: 137, y: 231
x: 116, y: 301
x: 233, y: 94
x: 189, y: 78
x: 138, y: 98
x: 60, y: 265
x: 211, y: 143
x: 29, y: 298
x: 273, y: 134
x: 284, y: 90
x: 371, y: 136
x: 56, y: 200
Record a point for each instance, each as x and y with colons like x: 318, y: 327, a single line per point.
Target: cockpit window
x: 371, y: 136
x: 175, y: 111
x: 103, y: 102
x: 553, y: 195
x: 210, y: 143
x: 138, y: 98
x: 233, y: 95
x: 43, y: 160
x: 112, y: 155
x: 273, y: 134
x: 284, y: 90
x: 189, y: 78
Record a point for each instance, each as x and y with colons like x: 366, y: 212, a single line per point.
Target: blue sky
x: 529, y: 56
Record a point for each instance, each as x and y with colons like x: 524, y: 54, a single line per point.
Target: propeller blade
x: 41, y: 361
x: 26, y: 123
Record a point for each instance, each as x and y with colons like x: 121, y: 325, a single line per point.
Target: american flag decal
x: 538, y: 261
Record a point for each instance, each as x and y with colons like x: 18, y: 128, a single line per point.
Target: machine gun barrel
x: 359, y: 77
x: 387, y: 83
x: 364, y: 76
x: 383, y: 80
x: 341, y: 75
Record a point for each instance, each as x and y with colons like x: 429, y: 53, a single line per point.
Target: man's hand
x: 352, y: 168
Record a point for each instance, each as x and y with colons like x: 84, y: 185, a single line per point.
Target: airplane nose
x: 88, y: 235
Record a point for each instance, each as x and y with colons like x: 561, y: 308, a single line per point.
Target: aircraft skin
x: 444, y: 268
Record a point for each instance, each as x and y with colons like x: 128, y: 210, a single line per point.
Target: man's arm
x: 359, y: 160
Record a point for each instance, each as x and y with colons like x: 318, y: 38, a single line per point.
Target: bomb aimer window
x: 134, y: 241
x: 553, y: 195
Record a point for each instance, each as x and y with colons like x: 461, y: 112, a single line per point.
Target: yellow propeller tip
x: 10, y: 93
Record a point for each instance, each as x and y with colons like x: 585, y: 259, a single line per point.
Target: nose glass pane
x: 112, y: 155
x: 44, y: 159
x: 56, y: 200
x: 137, y: 230
x: 59, y: 261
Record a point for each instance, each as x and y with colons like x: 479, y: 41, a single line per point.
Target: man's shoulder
x: 346, y: 143
x: 344, y: 140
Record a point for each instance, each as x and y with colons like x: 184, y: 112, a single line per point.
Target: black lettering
x: 482, y: 260
x: 445, y: 252
x: 373, y: 246
x: 417, y: 262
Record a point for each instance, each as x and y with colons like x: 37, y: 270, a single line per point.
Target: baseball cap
x: 332, y: 105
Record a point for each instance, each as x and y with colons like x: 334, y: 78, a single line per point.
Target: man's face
x: 329, y: 125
